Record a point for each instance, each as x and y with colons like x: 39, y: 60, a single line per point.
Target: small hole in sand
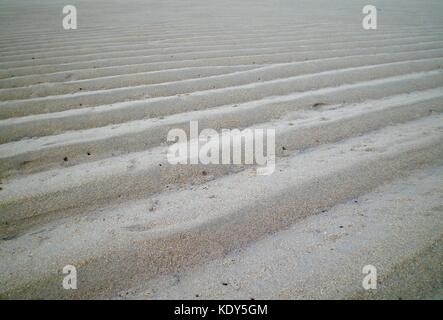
x: 318, y: 104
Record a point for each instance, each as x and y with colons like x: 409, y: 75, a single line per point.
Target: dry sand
x: 85, y: 181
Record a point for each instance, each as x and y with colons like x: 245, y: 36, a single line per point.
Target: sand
x: 85, y: 181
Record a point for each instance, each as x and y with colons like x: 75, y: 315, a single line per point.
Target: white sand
x: 359, y: 138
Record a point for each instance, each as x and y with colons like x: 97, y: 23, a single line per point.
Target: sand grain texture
x: 85, y: 181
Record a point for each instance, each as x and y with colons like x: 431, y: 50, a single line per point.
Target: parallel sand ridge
x: 85, y: 181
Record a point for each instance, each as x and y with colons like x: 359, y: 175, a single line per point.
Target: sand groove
x: 83, y: 126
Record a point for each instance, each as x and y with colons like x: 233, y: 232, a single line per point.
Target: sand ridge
x: 85, y: 180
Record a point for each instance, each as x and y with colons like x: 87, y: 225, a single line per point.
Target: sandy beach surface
x: 85, y: 180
